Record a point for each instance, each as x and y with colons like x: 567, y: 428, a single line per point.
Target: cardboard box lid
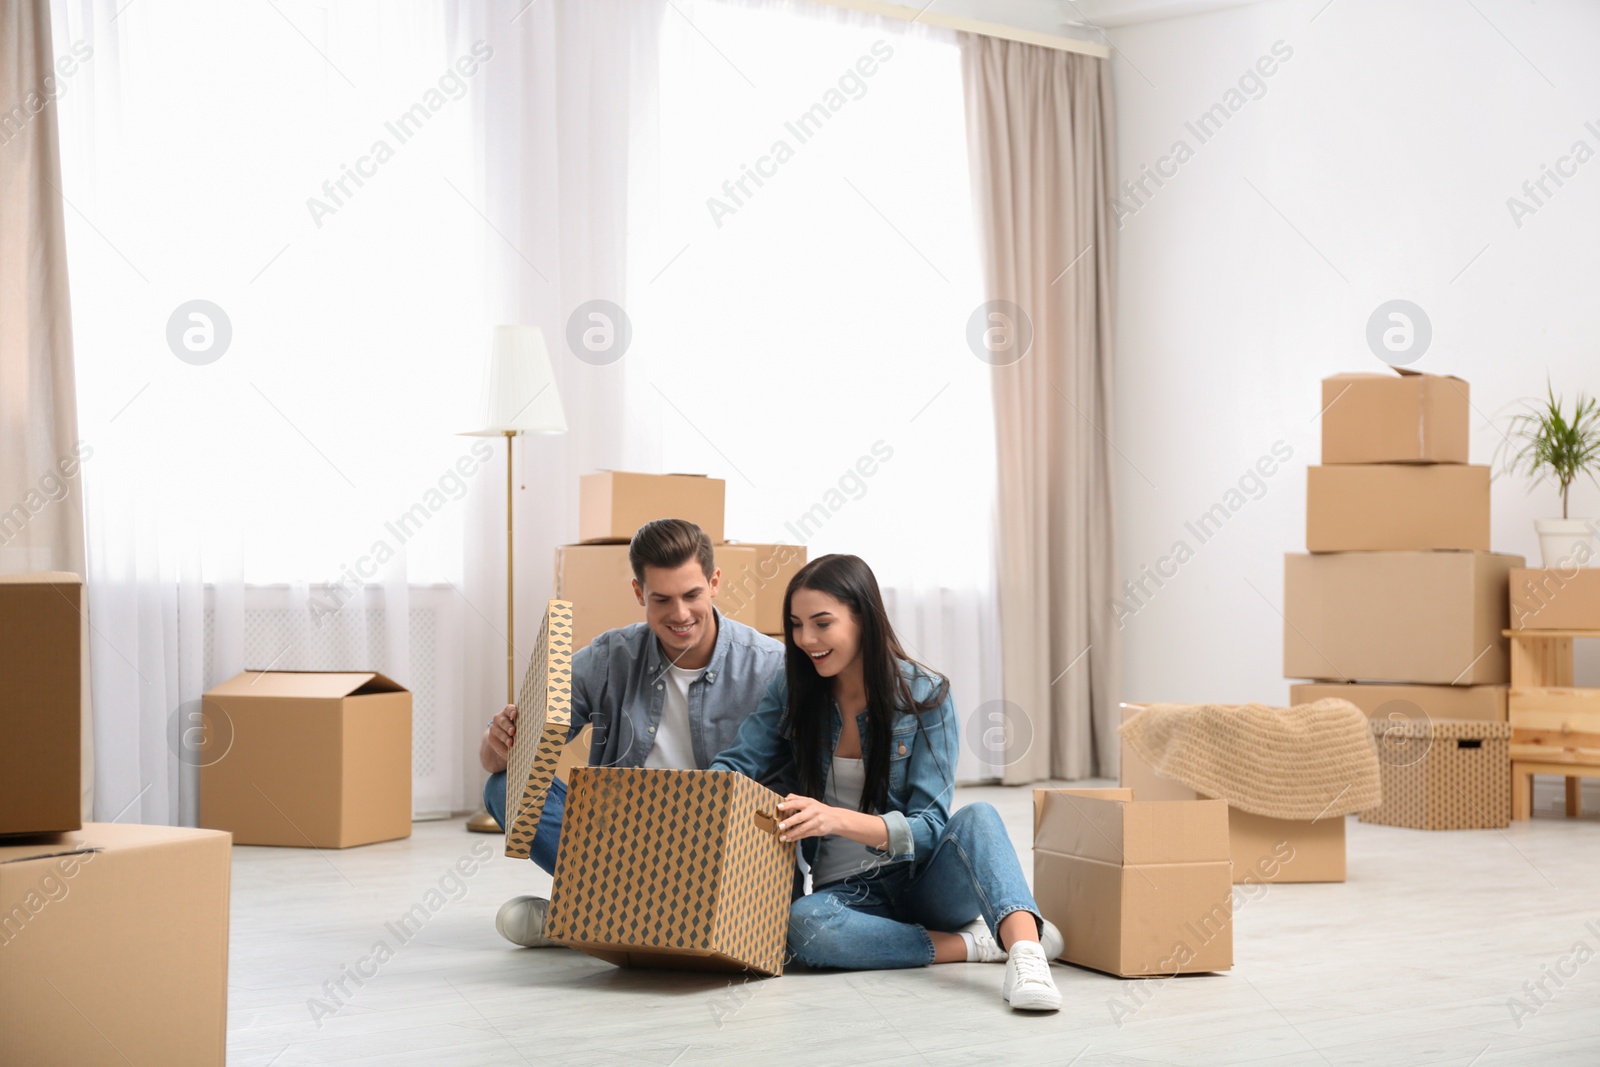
x: 1465, y: 729
x: 309, y: 685
x: 96, y: 837
x: 1404, y: 372
x: 648, y: 474
x: 544, y: 718
x: 41, y: 578
x: 1127, y: 832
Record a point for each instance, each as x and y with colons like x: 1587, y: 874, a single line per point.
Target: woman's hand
x: 807, y: 817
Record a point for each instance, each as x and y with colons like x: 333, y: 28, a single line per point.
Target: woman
x: 864, y: 742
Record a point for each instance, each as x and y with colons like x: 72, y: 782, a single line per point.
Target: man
x: 671, y: 691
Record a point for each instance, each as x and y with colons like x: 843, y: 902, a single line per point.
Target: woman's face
x: 825, y: 630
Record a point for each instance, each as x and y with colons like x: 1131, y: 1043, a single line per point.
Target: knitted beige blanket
x: 1307, y: 762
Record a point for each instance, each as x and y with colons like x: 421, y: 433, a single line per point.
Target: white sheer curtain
x: 565, y: 127
x: 361, y: 193
x: 801, y: 309
x: 296, y: 166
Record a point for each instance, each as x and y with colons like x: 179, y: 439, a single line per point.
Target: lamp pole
x: 511, y: 604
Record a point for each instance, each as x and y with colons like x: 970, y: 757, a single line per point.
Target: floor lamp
x: 521, y: 398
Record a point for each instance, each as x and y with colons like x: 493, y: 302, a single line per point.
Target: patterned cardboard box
x: 544, y: 718
x: 673, y: 869
x: 1443, y: 774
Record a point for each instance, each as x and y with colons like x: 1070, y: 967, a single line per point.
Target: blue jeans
x: 548, y: 839
x: 881, y: 919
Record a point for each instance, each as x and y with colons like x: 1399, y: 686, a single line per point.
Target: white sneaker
x: 1028, y: 985
x: 989, y: 950
x: 521, y: 922
x: 1052, y: 942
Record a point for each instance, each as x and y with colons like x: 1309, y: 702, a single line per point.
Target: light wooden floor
x: 1413, y: 961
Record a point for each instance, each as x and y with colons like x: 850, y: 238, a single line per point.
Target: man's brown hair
x: 669, y: 544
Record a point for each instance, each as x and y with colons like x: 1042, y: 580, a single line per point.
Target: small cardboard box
x: 612, y: 505
x: 763, y: 585
x: 1263, y: 849
x: 1137, y: 888
x: 1479, y: 703
x: 1405, y: 417
x: 317, y: 759
x: 114, y: 947
x: 1555, y: 598
x: 598, y: 581
x: 1429, y: 617
x: 1443, y: 775
x: 673, y: 869
x: 41, y: 703
x: 1380, y: 507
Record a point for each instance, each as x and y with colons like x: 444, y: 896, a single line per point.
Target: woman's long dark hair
x: 807, y: 719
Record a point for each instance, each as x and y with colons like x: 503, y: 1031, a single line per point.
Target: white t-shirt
x: 839, y: 857
x: 674, y: 747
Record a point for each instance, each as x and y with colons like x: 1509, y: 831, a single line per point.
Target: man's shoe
x: 1028, y: 985
x: 521, y: 922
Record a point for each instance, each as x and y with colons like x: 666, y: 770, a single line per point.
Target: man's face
x: 677, y: 605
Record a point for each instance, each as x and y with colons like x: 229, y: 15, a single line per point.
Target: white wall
x: 1389, y: 142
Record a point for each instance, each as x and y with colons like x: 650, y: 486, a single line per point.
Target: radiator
x: 278, y: 634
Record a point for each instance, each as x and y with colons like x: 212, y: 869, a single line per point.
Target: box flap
x: 649, y: 474
x: 1113, y: 793
x: 1108, y: 825
x: 323, y: 685
x: 1404, y: 372
x: 41, y: 578
x: 95, y: 837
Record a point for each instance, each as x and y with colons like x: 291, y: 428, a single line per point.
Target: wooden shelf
x: 1555, y: 726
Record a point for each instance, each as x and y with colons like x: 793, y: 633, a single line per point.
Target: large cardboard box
x: 114, y: 947
x: 1430, y: 617
x: 1375, y: 507
x: 673, y: 869
x: 763, y: 585
x: 1443, y: 775
x: 1137, y: 888
x: 598, y: 581
x: 1405, y: 417
x: 1555, y: 598
x: 316, y: 759
x: 1263, y: 849
x: 41, y: 703
x: 1478, y: 703
x: 612, y: 505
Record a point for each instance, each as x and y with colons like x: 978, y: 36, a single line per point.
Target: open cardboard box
x: 1263, y: 849
x: 1138, y: 888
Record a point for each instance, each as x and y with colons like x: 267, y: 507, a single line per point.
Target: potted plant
x: 1546, y: 442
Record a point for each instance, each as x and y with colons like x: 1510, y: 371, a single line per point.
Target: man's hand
x: 497, y: 738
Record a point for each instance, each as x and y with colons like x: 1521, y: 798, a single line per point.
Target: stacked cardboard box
x: 595, y: 575
x: 114, y: 946
x: 1399, y: 606
x: 41, y: 664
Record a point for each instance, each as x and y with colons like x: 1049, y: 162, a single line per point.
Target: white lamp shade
x: 522, y: 396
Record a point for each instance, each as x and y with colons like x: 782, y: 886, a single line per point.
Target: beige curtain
x: 1039, y: 123
x: 41, y: 495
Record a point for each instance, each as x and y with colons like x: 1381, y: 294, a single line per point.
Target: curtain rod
x: 966, y: 25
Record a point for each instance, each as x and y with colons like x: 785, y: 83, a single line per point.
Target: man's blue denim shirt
x: 619, y: 679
